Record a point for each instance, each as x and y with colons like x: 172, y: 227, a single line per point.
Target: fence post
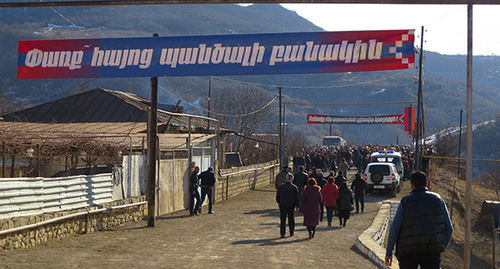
x: 227, y: 187
x: 255, y: 178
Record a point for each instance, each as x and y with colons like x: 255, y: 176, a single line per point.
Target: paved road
x: 243, y: 233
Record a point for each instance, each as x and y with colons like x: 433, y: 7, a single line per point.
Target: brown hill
x: 444, y: 181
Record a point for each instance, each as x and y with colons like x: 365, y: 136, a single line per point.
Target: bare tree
x: 6, y: 106
x: 244, y: 109
x: 19, y: 144
x: 446, y: 144
x: 295, y: 143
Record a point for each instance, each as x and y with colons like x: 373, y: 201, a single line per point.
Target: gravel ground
x: 243, y: 233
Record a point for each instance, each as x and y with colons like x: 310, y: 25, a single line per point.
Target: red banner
x: 324, y: 119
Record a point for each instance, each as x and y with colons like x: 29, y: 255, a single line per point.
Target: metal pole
x: 468, y: 163
x: 419, y: 104
x: 459, y: 143
x: 208, y: 105
x: 283, y: 140
x: 157, y: 181
x: 279, y: 131
x: 151, y: 182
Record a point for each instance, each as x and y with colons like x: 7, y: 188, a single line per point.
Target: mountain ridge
x: 444, y: 75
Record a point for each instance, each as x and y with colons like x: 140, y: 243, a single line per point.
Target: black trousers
x: 287, y: 211
x: 425, y: 260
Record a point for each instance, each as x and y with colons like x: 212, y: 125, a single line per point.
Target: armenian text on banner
x: 324, y: 119
x: 252, y: 54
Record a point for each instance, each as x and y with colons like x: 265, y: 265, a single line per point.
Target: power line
x: 306, y: 87
x: 68, y: 20
x: 224, y: 115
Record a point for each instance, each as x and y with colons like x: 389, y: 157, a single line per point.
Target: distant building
x: 112, y: 116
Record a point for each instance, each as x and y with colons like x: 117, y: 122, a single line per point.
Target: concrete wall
x: 371, y: 241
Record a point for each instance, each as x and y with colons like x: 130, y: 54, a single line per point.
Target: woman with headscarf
x: 344, y: 203
x: 312, y: 199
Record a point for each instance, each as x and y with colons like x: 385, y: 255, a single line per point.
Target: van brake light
x: 393, y: 177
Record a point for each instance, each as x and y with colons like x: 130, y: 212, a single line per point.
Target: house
x: 102, y: 127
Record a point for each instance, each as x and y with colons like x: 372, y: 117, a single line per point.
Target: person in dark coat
x: 193, y: 192
x: 344, y: 204
x: 421, y: 229
x: 287, y: 198
x: 340, y: 179
x: 360, y: 190
x: 300, y: 180
x: 312, y: 199
x: 207, y: 187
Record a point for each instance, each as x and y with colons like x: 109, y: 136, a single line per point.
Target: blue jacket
x: 421, y: 224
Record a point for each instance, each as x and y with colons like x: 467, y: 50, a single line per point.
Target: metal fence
x: 33, y: 196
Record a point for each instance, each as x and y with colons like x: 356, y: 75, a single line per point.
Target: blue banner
x: 283, y: 53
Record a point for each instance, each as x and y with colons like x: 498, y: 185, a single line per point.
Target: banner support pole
x: 152, y: 149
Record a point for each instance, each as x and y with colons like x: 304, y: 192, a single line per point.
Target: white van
x: 334, y: 140
x: 388, y: 156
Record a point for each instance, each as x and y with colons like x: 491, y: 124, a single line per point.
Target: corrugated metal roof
x: 123, y: 133
x: 101, y: 105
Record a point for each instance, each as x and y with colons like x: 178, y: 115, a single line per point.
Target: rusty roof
x: 106, y: 106
x: 123, y: 133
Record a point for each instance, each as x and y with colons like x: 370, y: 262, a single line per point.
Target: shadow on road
x: 265, y: 212
x: 270, y: 241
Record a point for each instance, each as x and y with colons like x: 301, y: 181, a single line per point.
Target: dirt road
x: 243, y: 233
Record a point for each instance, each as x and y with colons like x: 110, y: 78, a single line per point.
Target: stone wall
x: 40, y: 229
x: 234, y: 181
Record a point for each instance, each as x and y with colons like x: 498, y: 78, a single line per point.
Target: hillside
x: 444, y: 76
x: 444, y: 182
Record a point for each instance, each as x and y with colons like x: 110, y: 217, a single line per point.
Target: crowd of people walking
x: 319, y: 174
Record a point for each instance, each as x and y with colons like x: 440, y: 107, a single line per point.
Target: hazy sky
x: 445, y: 25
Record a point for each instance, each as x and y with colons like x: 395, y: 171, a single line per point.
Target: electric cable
x: 221, y: 114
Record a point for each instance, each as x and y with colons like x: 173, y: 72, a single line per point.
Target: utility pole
x: 418, y: 150
x: 152, y: 148
x: 459, y: 143
x: 208, y: 105
x: 468, y: 161
x: 279, y: 131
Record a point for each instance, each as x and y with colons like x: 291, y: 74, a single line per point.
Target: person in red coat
x: 312, y: 199
x: 330, y: 195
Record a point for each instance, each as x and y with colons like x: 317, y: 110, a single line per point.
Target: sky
x: 445, y: 26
